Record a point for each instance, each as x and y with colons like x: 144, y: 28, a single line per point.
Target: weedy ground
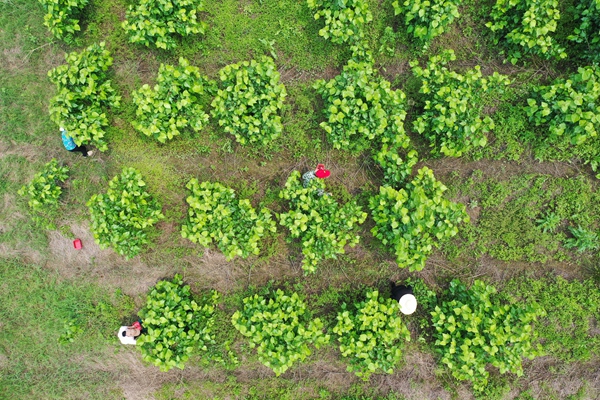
x: 48, y: 288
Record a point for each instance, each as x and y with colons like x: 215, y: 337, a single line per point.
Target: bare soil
x: 104, y: 267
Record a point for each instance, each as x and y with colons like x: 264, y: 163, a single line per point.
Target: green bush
x: 395, y: 168
x: 371, y: 335
x: 344, y: 19
x: 572, y: 309
x: 526, y: 27
x: 83, y: 92
x: 473, y: 329
x: 44, y: 189
x: 173, y: 104
x: 411, y: 221
x: 280, y: 327
x: 426, y: 19
x: 451, y: 120
x: 62, y: 17
x: 158, y: 22
x: 323, y: 226
x: 587, y: 13
x: 569, y: 107
x: 122, y: 217
x: 361, y: 109
x: 216, y: 216
x: 249, y: 100
x: 176, y: 325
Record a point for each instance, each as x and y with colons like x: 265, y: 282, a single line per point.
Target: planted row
x: 474, y: 328
x: 409, y: 221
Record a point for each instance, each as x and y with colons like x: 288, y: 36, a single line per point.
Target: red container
x: 77, y: 244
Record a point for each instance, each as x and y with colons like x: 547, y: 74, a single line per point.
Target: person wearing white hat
x: 407, y: 302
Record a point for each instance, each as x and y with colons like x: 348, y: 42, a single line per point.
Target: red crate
x: 77, y: 244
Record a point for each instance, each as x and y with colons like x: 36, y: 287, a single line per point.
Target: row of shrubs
x: 469, y: 328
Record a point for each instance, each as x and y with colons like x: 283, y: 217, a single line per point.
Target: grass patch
x: 37, y: 310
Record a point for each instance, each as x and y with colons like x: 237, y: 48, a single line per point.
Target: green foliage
x: 344, y: 19
x: 567, y: 331
x: 158, y: 22
x: 452, y: 119
x: 175, y: 324
x: 216, y: 216
x: 83, y: 92
x: 122, y: 217
x: 570, y: 107
x: 71, y: 331
x: 323, y: 226
x: 249, y: 100
x: 426, y: 19
x: 395, y: 168
x: 583, y: 240
x: 371, y: 336
x: 473, y: 329
x: 413, y: 220
x: 62, y: 17
x: 280, y: 327
x: 526, y: 27
x: 361, y: 109
x: 173, y: 105
x: 549, y: 222
x: 44, y: 190
x: 587, y: 13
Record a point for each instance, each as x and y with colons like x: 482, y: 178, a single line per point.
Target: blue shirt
x: 68, y: 142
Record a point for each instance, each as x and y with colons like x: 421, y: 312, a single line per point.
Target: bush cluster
x: 84, y: 92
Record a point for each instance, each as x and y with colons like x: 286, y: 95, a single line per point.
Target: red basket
x: 77, y: 244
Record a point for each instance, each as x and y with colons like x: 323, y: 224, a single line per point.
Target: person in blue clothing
x: 71, y: 146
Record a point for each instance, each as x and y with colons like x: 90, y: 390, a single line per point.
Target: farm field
x: 461, y: 164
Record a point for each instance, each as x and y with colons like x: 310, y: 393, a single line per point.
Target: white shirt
x: 125, y: 339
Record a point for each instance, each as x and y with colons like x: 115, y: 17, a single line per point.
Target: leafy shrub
x: 83, y: 91
x: 248, y: 103
x: 363, y: 113
x: 173, y: 105
x: 587, y: 13
x: 62, y: 17
x: 44, y: 190
x: 570, y: 107
x: 582, y: 239
x: 473, y: 330
x: 426, y: 19
x: 452, y: 119
x: 158, y: 22
x: 371, y: 335
x: 175, y: 324
x: 122, y: 216
x: 572, y: 307
x: 317, y: 219
x: 410, y: 220
x: 280, y: 327
x: 344, y: 19
x: 525, y: 26
x: 395, y: 168
x: 216, y: 216
x: 361, y: 109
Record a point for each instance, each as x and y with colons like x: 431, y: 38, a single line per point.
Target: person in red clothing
x: 320, y: 173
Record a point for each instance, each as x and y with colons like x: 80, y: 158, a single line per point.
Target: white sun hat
x: 408, y: 304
